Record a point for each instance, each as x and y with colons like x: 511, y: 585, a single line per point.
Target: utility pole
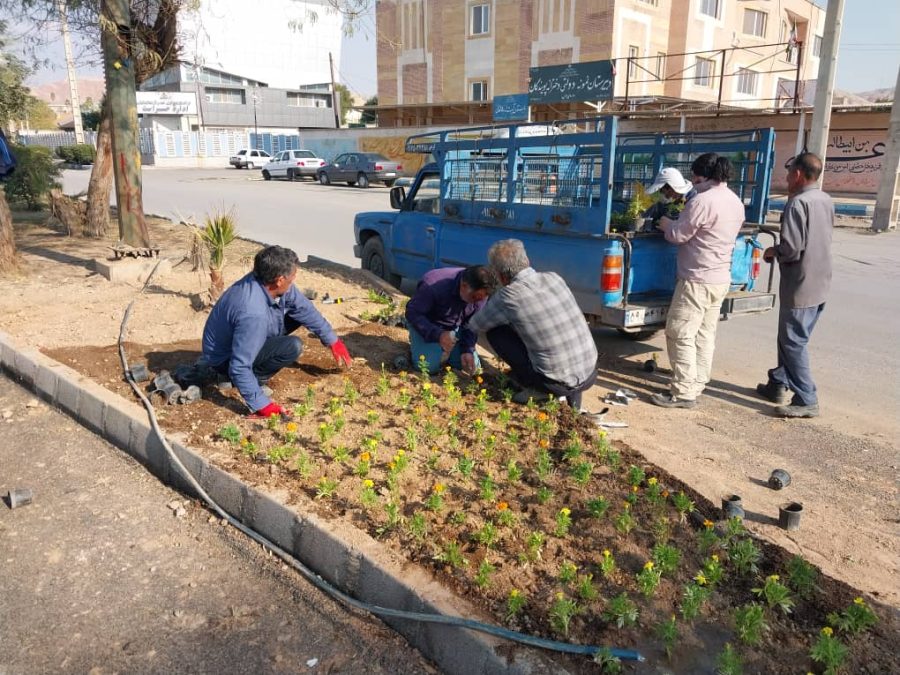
x: 118, y: 67
x: 818, y: 135
x: 335, y: 99
x: 70, y: 68
x: 887, y: 204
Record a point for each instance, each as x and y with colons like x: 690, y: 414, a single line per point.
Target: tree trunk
x: 217, y: 284
x: 96, y: 224
x: 8, y: 262
x: 67, y: 210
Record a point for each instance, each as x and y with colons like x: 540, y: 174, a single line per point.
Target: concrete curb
x: 338, y: 552
x: 840, y: 208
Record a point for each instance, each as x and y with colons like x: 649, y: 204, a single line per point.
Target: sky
x: 869, y: 55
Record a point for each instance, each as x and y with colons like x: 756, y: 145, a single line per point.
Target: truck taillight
x: 611, y: 273
x: 755, y: 259
x: 378, y: 167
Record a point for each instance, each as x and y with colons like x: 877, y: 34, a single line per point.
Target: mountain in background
x: 878, y: 95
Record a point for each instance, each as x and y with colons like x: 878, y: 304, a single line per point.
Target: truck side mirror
x: 398, y: 196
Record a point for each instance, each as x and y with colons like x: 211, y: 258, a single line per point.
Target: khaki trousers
x: 691, y: 335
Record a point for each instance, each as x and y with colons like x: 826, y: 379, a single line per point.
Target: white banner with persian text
x: 166, y: 103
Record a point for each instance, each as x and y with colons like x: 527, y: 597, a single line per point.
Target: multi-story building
x: 437, y: 56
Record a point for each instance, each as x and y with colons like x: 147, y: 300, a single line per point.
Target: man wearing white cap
x: 676, y: 190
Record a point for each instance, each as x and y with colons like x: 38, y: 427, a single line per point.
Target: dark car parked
x: 360, y: 169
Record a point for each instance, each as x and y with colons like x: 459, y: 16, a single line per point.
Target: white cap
x: 672, y: 177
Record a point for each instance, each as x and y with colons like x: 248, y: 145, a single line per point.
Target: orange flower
x: 544, y: 443
x: 365, y: 457
x: 708, y: 524
x: 542, y: 416
x: 479, y: 379
x: 502, y: 506
x: 438, y: 488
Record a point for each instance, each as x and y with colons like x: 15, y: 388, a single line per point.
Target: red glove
x: 340, y: 353
x: 267, y: 412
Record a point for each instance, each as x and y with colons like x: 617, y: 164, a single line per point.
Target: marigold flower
x: 514, y: 593
x: 479, y: 379
x: 708, y: 524
x: 634, y: 488
x: 648, y: 565
x: 502, y: 506
x: 665, y: 493
x: 715, y: 557
x: 421, y: 357
x: 365, y: 457
x: 559, y: 595
x: 700, y: 579
x: 859, y: 601
x: 245, y: 441
x: 544, y: 443
x: 651, y: 481
x: 606, y: 553
x: 483, y: 392
x: 426, y: 386
x: 392, y: 466
x: 403, y: 374
x: 542, y: 417
x: 565, y: 511
x: 368, y: 482
x: 447, y: 368
x: 400, y: 453
x: 291, y: 427
x: 438, y: 488
x: 827, y: 631
x: 322, y: 425
x: 773, y: 577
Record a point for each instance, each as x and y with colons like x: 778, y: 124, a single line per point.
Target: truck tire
x: 362, y: 181
x: 266, y: 175
x: 639, y: 336
x: 374, y: 260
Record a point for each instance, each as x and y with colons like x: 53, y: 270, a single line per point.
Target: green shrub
x: 34, y: 177
x: 81, y: 153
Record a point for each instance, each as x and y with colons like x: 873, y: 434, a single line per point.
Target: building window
x: 710, y: 7
x: 755, y: 22
x: 703, y: 72
x: 223, y: 95
x: 633, y: 52
x: 480, y: 90
x: 481, y: 19
x: 301, y: 100
x: 817, y: 45
x: 655, y: 3
x: 661, y: 65
x: 746, y: 81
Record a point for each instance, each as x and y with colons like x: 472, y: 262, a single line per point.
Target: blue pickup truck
x: 556, y: 187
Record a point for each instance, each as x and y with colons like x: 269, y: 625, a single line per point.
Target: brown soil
x: 298, y: 462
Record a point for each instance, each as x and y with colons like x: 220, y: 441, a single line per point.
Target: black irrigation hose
x: 315, y: 579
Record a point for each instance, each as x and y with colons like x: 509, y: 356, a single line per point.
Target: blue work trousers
x: 794, y: 329
x: 433, y: 353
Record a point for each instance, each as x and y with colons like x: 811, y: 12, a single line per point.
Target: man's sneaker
x: 669, y: 401
x: 797, y: 411
x: 529, y: 393
x: 776, y: 393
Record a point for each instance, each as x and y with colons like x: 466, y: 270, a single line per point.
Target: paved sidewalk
x: 102, y: 573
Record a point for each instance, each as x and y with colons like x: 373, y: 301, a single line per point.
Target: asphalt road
x: 856, y: 358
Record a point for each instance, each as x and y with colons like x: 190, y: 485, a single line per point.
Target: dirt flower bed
x: 529, y: 511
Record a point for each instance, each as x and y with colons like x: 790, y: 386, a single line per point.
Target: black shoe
x: 669, y: 401
x: 797, y: 411
x: 776, y: 393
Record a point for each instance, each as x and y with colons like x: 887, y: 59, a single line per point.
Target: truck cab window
x: 427, y: 199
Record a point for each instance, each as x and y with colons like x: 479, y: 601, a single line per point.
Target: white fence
x: 56, y: 139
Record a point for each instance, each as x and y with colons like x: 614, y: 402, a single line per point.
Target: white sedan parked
x: 249, y: 159
x: 293, y: 164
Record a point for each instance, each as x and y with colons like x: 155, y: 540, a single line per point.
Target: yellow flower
x: 565, y: 511
x: 708, y: 524
x: 626, y: 506
x: 368, y: 482
x: 400, y: 453
x: 651, y: 481
x: 827, y: 631
x: 421, y: 357
x: 665, y: 493
x: 365, y: 457
x: 648, y: 565
x: 392, y: 466
x: 479, y: 379
x: 426, y: 386
x: 700, y: 579
x: 544, y: 443
x: 514, y: 593
x: 502, y: 506
x: 403, y: 374
x: 245, y: 442
x: 773, y: 577
x: 715, y: 557
x: 634, y: 488
x: 291, y: 427
x: 606, y: 553
x: 859, y: 601
x: 447, y: 368
x: 559, y: 596
x: 322, y: 425
x: 542, y: 417
x: 483, y: 392
x: 438, y: 488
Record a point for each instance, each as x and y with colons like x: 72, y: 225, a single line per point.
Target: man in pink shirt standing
x: 705, y: 233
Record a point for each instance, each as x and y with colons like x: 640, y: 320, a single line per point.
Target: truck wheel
x: 267, y: 175
x: 290, y: 175
x: 373, y: 259
x: 362, y: 180
x: 323, y: 178
x: 639, y: 336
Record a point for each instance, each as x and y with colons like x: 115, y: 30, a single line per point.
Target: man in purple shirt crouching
x: 445, y: 300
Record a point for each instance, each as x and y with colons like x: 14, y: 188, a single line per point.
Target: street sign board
x: 589, y: 81
x: 166, y: 103
x: 510, y: 108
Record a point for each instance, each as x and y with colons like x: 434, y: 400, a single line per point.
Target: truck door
x: 416, y: 228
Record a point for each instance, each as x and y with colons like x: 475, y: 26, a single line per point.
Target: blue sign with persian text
x: 511, y: 108
x: 589, y: 81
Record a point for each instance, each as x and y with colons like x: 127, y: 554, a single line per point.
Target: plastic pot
x: 19, y: 497
x: 732, y: 507
x: 139, y: 372
x: 779, y: 479
x: 789, y: 515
